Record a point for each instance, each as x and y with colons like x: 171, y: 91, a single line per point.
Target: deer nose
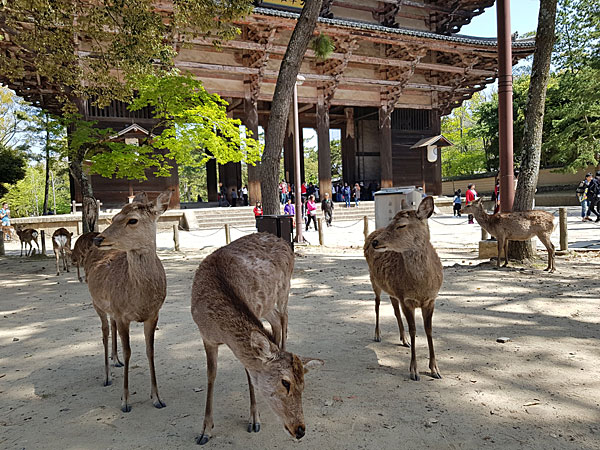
x: 375, y: 243
x: 98, y: 241
x: 299, y: 432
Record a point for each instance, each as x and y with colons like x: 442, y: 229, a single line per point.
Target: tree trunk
x: 89, y: 209
x: 280, y: 106
x: 531, y: 146
x: 47, y: 183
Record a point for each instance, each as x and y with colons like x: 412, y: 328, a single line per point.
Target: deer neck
x: 483, y: 218
x: 141, y: 262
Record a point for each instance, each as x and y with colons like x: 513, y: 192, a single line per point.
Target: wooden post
x: 324, y: 150
x: 43, y: 238
x: 385, y: 147
x: 73, y: 207
x: 320, y: 224
x: 251, y: 123
x: 564, y: 239
x: 366, y: 228
x: 176, y: 237
x: 227, y: 234
x: 484, y: 234
x: 349, y: 148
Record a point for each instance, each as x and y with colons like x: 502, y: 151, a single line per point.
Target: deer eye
x: 132, y: 221
x: 400, y: 226
x: 286, y: 384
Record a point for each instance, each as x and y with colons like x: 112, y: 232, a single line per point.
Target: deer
x: 127, y: 282
x: 233, y: 289
x: 516, y: 226
x: 26, y: 235
x: 403, y: 263
x: 61, y: 244
x: 83, y: 245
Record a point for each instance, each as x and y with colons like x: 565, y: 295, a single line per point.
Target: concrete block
x: 489, y: 249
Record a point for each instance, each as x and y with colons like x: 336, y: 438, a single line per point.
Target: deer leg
x: 275, y: 321
x: 395, y: 304
x: 409, y: 313
x: 427, y: 316
x: 78, y: 273
x: 505, y: 252
x: 149, y: 329
x: 104, y: 320
x: 551, y: 251
x: 123, y: 329
x: 284, y: 327
x: 114, y: 354
x: 254, y: 421
x: 212, y: 352
x: 500, y: 247
x: 22, y: 249
x: 377, y: 303
x: 66, y: 260
x: 57, y: 255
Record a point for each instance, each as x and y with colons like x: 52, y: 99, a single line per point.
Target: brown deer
x: 61, y: 244
x: 83, y: 245
x: 233, y: 289
x: 26, y: 235
x: 403, y: 263
x: 515, y: 226
x: 127, y: 282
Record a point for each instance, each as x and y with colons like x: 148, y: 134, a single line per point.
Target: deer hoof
x: 377, y: 339
x: 80, y: 280
x: 202, y: 439
x: 158, y: 404
x: 118, y: 364
x: 126, y: 408
x: 414, y: 376
x: 436, y: 375
x: 254, y: 427
x: 107, y: 383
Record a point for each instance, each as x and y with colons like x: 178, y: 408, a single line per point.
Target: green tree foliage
x: 12, y: 168
x: 311, y: 162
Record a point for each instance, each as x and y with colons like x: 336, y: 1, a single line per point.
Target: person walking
x: 457, y: 203
x: 356, y: 194
x: 593, y: 194
x: 311, y: 211
x: 5, y: 220
x: 327, y: 208
x: 582, y: 194
x: 470, y: 196
x: 346, y: 193
x: 245, y: 195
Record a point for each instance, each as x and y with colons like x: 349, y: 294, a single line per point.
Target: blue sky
x: 523, y: 18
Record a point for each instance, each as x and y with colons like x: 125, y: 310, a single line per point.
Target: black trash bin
x: 281, y: 226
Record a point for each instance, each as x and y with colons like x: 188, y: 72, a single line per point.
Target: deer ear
x: 311, y: 364
x: 140, y: 197
x: 262, y: 346
x: 425, y: 209
x: 162, y: 202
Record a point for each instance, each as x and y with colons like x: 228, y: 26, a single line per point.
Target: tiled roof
x: 355, y: 24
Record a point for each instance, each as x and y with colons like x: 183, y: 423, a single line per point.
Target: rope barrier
x: 348, y: 226
x: 443, y: 223
x: 242, y: 231
x: 195, y: 233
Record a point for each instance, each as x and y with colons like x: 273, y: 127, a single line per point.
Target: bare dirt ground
x: 540, y: 390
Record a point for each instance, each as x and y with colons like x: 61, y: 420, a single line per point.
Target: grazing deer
x: 127, y: 282
x: 233, y: 289
x: 61, y: 244
x: 516, y: 226
x: 403, y: 263
x: 83, y: 245
x: 26, y: 235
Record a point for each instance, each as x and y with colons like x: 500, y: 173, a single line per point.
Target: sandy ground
x: 539, y: 390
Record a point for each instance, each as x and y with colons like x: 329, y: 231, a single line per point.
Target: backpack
x: 580, y: 189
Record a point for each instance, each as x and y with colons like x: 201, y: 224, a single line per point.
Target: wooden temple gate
x: 397, y: 68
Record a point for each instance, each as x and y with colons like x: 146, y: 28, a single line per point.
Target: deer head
x: 131, y: 227
x: 280, y: 379
x: 474, y: 207
x: 407, y: 231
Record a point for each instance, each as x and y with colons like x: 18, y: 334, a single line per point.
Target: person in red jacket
x: 470, y: 196
x: 258, y: 212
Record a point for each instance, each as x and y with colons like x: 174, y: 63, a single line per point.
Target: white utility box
x: 388, y: 202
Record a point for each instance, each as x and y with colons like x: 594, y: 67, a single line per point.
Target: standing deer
x: 233, y: 289
x: 516, y: 226
x: 61, y: 244
x: 27, y: 235
x: 403, y: 263
x: 127, y: 282
x: 83, y: 245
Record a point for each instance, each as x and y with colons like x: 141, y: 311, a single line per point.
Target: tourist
x: 311, y: 211
x: 258, y: 212
x: 234, y: 197
x: 327, y: 208
x: 356, y: 194
x: 457, y: 203
x: 346, y: 194
x: 470, y: 196
x: 496, y: 195
x: 5, y: 219
x: 582, y: 194
x: 245, y: 195
x: 303, y: 189
x: 594, y: 197
x: 289, y: 208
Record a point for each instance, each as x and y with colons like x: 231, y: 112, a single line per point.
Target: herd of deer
x: 127, y: 282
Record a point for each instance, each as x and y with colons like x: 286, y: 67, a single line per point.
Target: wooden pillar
x: 211, y: 180
x: 349, y: 148
x: 251, y: 123
x: 323, y: 148
x: 301, y: 136
x: 288, y: 151
x: 385, y: 146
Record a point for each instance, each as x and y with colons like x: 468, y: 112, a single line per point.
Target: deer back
x: 61, y: 240
x: 83, y: 245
